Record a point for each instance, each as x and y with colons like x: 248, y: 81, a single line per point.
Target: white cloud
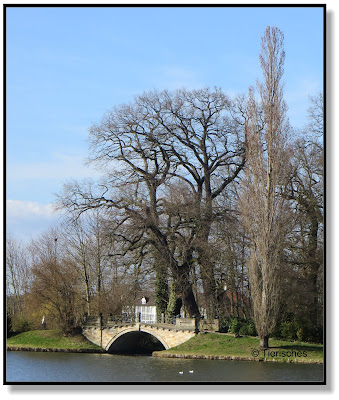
x: 61, y: 166
x: 28, y: 209
x: 26, y: 220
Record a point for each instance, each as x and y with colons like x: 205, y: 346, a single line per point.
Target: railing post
x: 101, y: 325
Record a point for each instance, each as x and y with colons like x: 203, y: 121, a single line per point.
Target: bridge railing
x: 111, y: 320
x: 178, y: 323
x: 100, y: 321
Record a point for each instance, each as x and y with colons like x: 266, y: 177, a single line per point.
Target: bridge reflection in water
x: 136, y: 337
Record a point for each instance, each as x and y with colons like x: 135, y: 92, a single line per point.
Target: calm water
x: 68, y: 367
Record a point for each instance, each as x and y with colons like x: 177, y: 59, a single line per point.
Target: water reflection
x: 66, y: 367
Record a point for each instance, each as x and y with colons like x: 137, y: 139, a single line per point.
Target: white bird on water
x: 191, y: 371
x: 181, y: 372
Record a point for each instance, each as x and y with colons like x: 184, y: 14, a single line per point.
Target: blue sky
x: 67, y: 66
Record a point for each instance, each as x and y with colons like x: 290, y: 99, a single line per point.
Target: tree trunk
x: 264, y: 342
x: 210, y: 296
x: 207, y: 276
x: 161, y: 292
x: 185, y: 291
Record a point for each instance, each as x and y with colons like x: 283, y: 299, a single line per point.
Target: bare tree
x: 126, y: 136
x: 18, y: 277
x: 206, y: 144
x: 265, y: 211
x: 305, y: 190
x: 315, y: 127
x: 55, y: 287
x: 76, y: 246
x: 161, y: 142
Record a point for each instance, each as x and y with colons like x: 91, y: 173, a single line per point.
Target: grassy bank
x: 225, y: 346
x: 210, y: 345
x: 51, y: 339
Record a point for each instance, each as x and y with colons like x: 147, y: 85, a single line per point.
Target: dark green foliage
x: 235, y: 326
x: 251, y: 328
x: 161, y: 292
x: 225, y: 324
x: 21, y: 324
x: 171, y: 306
x: 293, y: 328
x: 239, y: 325
x: 9, y: 324
x: 247, y: 328
x: 289, y: 329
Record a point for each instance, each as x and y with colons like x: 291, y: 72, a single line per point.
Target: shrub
x: 243, y: 330
x: 293, y: 328
x: 72, y: 331
x: 225, y: 324
x: 251, y: 328
x: 21, y: 324
x: 289, y: 330
x: 235, y: 326
x: 247, y: 327
x: 242, y: 326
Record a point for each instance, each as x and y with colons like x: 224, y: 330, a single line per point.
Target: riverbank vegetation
x: 51, y: 339
x: 213, y: 202
x: 226, y: 346
x: 209, y: 345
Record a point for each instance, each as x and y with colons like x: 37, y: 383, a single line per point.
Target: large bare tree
x: 206, y: 143
x: 166, y: 156
x: 265, y: 211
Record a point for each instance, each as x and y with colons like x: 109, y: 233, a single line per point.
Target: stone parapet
x: 209, y: 325
x: 186, y: 323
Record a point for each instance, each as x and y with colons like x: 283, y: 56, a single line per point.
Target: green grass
x: 50, y: 339
x: 214, y: 344
x: 210, y: 344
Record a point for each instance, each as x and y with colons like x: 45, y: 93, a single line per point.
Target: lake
x: 27, y: 366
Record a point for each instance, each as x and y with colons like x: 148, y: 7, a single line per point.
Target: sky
x: 67, y: 66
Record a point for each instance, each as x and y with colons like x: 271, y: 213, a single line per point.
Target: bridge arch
x: 130, y: 340
x: 168, y: 335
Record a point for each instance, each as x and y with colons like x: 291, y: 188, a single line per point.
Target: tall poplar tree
x: 264, y: 211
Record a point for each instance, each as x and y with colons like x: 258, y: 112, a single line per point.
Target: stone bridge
x: 119, y: 336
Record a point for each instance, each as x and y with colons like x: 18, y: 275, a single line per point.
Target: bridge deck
x: 171, y: 327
